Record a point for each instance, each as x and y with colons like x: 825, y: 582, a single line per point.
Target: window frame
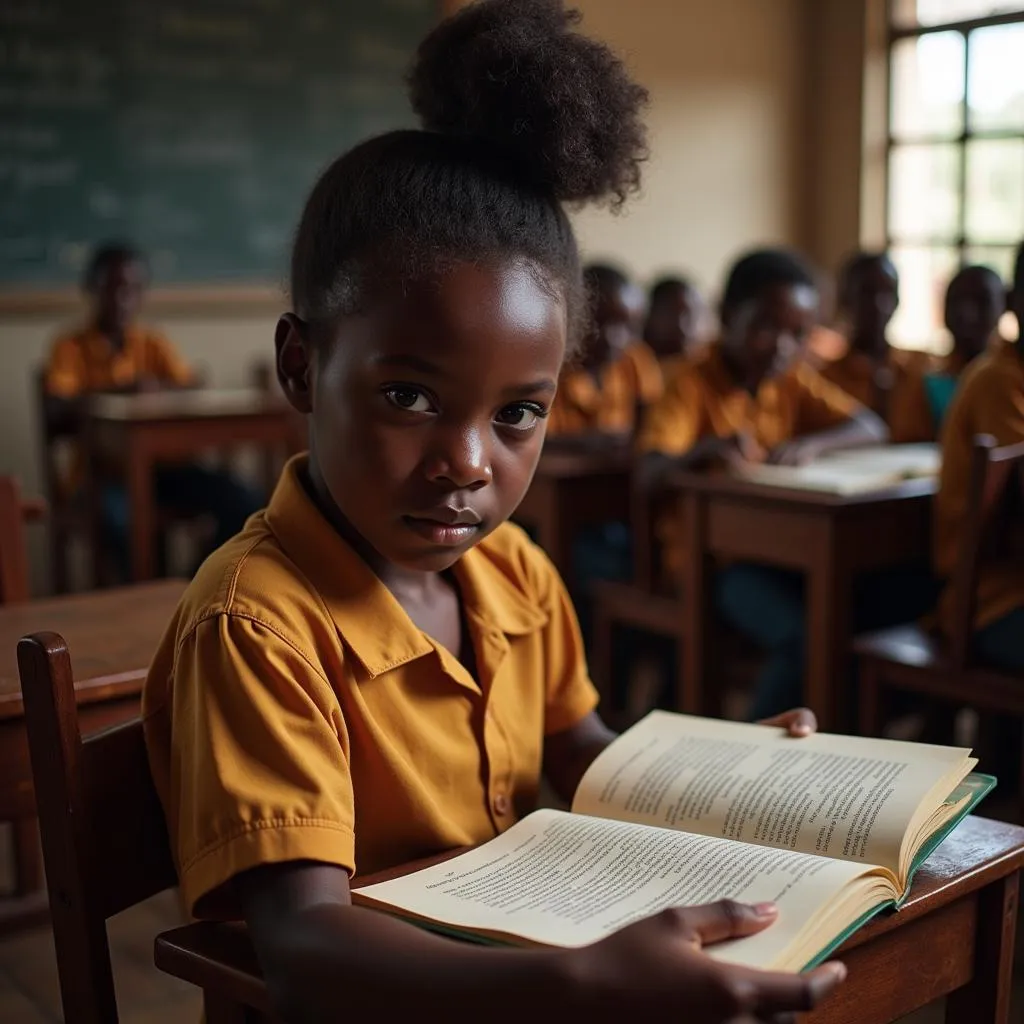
x: 897, y: 33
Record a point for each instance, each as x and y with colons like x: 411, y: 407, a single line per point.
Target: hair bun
x: 561, y: 107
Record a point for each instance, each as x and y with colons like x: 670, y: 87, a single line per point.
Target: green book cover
x: 977, y: 786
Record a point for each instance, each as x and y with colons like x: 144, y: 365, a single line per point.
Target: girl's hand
x: 798, y: 722
x: 657, y: 967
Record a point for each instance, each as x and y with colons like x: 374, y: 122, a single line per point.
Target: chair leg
x: 28, y: 858
x: 870, y: 700
x: 219, y: 1010
x: 601, y: 663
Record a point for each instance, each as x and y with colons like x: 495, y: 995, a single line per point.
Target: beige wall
x: 755, y: 136
x: 727, y: 82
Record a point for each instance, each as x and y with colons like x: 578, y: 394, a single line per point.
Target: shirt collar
x: 366, y: 614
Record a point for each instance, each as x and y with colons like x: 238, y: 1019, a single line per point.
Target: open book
x: 855, y: 471
x: 681, y: 811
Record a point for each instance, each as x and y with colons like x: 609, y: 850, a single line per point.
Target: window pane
x: 938, y: 12
x: 998, y: 257
x: 927, y: 92
x: 924, y: 192
x: 995, y: 85
x: 924, y: 276
x: 995, y: 190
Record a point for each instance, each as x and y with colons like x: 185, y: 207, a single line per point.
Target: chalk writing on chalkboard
x: 194, y: 128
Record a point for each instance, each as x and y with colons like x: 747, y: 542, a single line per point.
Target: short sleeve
x: 998, y: 408
x: 256, y: 767
x: 821, y: 405
x: 65, y: 375
x: 650, y: 378
x: 569, y: 694
x: 165, y: 363
x: 672, y: 424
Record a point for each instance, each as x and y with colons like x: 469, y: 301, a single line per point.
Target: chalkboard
x: 193, y: 128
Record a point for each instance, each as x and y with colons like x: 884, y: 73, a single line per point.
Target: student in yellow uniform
x: 975, y: 302
x: 989, y: 400
x: 380, y: 667
x: 752, y: 397
x: 113, y: 352
x: 885, y: 379
x: 615, y: 376
x: 674, y: 317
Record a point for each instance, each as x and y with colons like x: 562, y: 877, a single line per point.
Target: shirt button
x: 501, y: 804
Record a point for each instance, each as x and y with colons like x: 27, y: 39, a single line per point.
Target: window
x: 956, y: 149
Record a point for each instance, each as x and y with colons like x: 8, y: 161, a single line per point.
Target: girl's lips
x: 442, y: 534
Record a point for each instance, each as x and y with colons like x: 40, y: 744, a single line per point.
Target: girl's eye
x: 521, y: 416
x: 409, y: 399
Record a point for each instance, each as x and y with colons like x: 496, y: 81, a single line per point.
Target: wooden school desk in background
x: 571, y: 490
x: 953, y: 937
x: 168, y: 426
x: 830, y: 538
x: 113, y: 635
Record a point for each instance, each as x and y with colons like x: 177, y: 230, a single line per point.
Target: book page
x: 836, y: 796
x: 569, y: 880
x: 837, y: 478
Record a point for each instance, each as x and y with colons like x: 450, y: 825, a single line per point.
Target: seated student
x: 751, y: 397
x: 674, y: 317
x: 883, y: 378
x: 113, y: 352
x: 975, y: 302
x: 989, y: 400
x: 615, y: 375
x: 380, y: 667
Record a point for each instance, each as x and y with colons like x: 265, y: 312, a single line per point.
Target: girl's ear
x: 294, y: 362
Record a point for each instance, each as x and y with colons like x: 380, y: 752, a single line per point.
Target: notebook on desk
x: 856, y: 471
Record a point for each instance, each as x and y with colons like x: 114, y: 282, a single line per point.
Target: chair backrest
x: 58, y: 421
x: 14, y: 574
x: 104, y: 838
x: 994, y: 471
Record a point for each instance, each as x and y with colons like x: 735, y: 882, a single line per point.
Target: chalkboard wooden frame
x: 18, y: 300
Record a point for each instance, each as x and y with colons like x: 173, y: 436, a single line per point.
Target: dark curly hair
x: 104, y: 257
x: 1018, y: 270
x: 520, y: 114
x: 761, y: 269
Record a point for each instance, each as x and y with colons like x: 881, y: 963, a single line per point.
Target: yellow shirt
x: 907, y: 410
x: 701, y: 400
x: 294, y: 711
x: 85, y: 361
x: 990, y: 400
x: 609, y: 404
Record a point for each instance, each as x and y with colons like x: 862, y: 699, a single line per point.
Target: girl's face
x: 428, y: 409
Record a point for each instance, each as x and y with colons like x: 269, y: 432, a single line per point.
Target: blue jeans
x: 768, y: 605
x: 189, y: 490
x: 1002, y: 642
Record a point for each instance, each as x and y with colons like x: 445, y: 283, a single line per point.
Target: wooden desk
x: 830, y: 538
x: 112, y: 636
x: 572, y: 490
x: 954, y: 937
x: 175, y: 426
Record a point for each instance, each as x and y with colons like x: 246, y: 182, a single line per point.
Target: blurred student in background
x: 113, y: 352
x: 616, y: 375
x: 751, y: 397
x: 674, y: 318
x: 989, y: 400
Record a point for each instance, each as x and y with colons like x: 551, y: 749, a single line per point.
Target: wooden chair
x: 647, y: 603
x: 69, y: 517
x: 105, y: 842
x: 14, y: 574
x: 14, y: 586
x: 947, y: 670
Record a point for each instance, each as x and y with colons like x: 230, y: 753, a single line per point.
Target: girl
x: 379, y: 667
